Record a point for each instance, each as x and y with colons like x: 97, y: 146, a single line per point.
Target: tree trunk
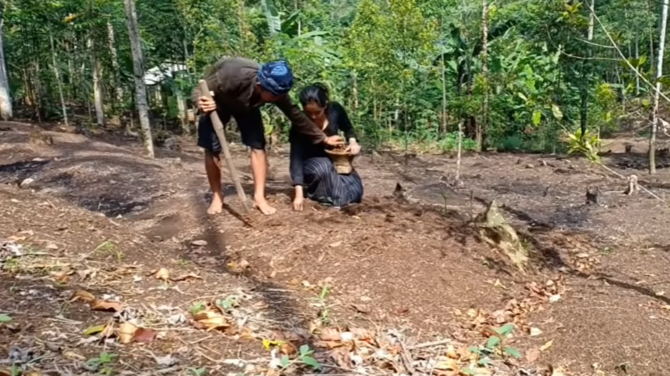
x: 59, y: 84
x: 584, y: 112
x: 637, y: 57
x: 115, y: 63
x: 97, y: 86
x: 481, y: 125
x: 138, y: 72
x: 5, y: 95
x: 443, y: 130
x: 37, y: 92
x: 659, y: 73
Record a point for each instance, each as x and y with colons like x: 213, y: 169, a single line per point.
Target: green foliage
x: 103, y: 363
x: 587, y: 145
x: 390, y: 63
x: 5, y: 318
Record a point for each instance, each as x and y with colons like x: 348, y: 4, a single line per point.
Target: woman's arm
x: 344, y: 124
x: 343, y: 121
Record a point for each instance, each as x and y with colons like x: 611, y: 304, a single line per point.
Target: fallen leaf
x: 165, y: 361
x: 108, y: 331
x: 532, y: 355
x: 498, y: 284
x: 144, y: 335
x: 210, y: 320
x: 335, y: 245
x: 447, y: 364
x: 330, y: 334
x: 84, y: 296
x: 451, y: 352
x: 547, y: 345
x: 163, y: 274
x: 73, y: 355
x: 288, y: 348
x: 558, y: 372
x: 104, y: 305
x: 94, y: 330
x: 186, y: 276
x: 126, y: 332
x: 535, y: 332
x: 199, y: 243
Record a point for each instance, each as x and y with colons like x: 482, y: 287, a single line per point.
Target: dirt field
x: 402, y: 283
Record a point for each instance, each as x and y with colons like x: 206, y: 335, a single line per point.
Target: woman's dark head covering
x: 276, y: 77
x: 317, y: 93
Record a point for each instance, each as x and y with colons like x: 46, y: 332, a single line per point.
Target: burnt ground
x: 92, y: 214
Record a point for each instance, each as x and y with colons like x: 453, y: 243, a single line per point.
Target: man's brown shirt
x: 233, y: 79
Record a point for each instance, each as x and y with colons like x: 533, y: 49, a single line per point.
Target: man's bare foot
x: 264, y: 206
x: 216, y: 206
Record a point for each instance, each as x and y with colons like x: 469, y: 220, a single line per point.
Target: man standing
x: 240, y: 87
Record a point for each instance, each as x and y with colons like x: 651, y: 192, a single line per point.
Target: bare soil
x: 410, y: 261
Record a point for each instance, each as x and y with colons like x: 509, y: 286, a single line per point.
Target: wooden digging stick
x: 218, y: 129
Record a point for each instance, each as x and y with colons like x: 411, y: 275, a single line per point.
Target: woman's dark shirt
x: 303, y: 148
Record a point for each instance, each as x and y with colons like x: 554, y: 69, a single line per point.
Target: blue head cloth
x: 276, y: 77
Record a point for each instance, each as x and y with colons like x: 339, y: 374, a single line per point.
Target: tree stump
x: 633, y: 187
x: 592, y: 196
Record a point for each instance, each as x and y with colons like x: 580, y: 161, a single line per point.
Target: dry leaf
x: 335, y: 245
x: 199, y: 243
x: 126, y: 332
x: 547, y: 345
x: 532, y: 355
x: 73, y: 355
x: 163, y: 274
x: 108, y: 331
x: 84, y: 296
x: 104, y: 305
x: 498, y: 284
x: 186, y: 276
x: 444, y: 363
x: 558, y: 372
x: 330, y: 334
x: 535, y: 332
x: 210, y: 320
x: 451, y: 352
x: 144, y: 335
x: 287, y: 348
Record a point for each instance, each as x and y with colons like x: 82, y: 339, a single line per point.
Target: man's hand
x: 206, y: 105
x: 333, y: 141
x: 354, y: 148
x: 299, y: 199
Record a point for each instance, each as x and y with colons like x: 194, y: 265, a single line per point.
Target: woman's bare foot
x: 216, y: 206
x: 264, y: 206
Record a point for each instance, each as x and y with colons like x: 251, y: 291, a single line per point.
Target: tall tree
x: 481, y: 125
x: 57, y: 75
x: 659, y: 74
x: 5, y: 96
x: 138, y: 73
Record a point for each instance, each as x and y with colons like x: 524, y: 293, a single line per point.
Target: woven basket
x: 342, y: 161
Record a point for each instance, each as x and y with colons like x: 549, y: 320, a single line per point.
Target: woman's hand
x: 354, y: 148
x: 206, y: 105
x: 299, y: 199
x: 333, y: 141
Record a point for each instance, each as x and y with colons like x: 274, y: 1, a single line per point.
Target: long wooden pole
x: 218, y: 129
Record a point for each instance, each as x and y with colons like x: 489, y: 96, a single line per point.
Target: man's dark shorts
x: 250, y: 125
